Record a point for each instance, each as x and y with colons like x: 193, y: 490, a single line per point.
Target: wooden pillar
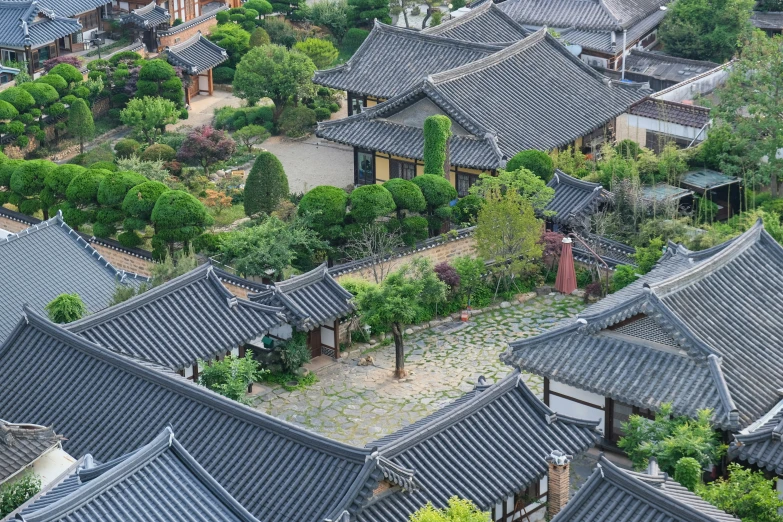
x: 336, y: 339
x: 209, y: 81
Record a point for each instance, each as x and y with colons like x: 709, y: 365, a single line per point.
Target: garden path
x: 358, y: 404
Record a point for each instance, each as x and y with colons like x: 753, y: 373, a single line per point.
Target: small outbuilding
x: 721, y: 189
x: 197, y: 56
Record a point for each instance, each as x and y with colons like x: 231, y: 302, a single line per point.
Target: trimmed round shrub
x: 266, y: 185
x: 536, y: 161
x: 68, y: 99
x: 126, y: 148
x: 28, y: 178
x: 325, y: 205
x: 370, y: 202
x: 56, y: 81
x: 436, y: 189
x: 466, y: 210
x: 223, y: 75
x: 406, y: 194
x: 412, y: 229
x: 237, y: 18
x: 58, y: 179
x: 94, y: 75
x: 125, y: 57
x: 156, y: 70
x: 83, y: 188
x: 296, y: 122
x: 67, y: 72
x: 81, y: 92
x: 259, y: 37
x: 19, y: 98
x: 114, y: 187
x: 222, y: 17
x: 322, y: 113
x: 140, y: 200
x: 15, y: 128
x: 7, y: 111
x: 178, y: 216
x: 43, y: 93
x: 7, y: 168
x: 262, y: 7
x: 104, y: 165
x: 28, y: 117
x: 159, y: 151
x: 56, y: 109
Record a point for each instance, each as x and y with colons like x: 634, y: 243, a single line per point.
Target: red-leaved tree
x: 205, y: 146
x: 69, y: 59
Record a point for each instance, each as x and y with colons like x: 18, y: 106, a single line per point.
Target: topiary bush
x: 66, y: 308
x: 370, y: 202
x: 83, y: 188
x: 67, y: 72
x: 28, y: 178
x: 407, y: 195
x: 322, y: 113
x: 179, y: 217
x: 437, y: 130
x: 58, y: 179
x: 138, y: 204
x: 259, y: 37
x: 43, y: 93
x: 266, y: 185
x: 223, y: 75
x: 114, y: 187
x: 296, y: 122
x: 104, y: 165
x: 19, y: 98
x: 436, y: 189
x: 159, y: 151
x: 223, y: 17
x: 126, y: 148
x: 536, y: 161
x: 466, y: 210
x: 325, y: 207
x: 56, y: 81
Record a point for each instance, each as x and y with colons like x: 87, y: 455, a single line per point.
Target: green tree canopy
x: 158, y: 78
x: 272, y: 71
x: 7, y: 111
x: 522, y: 181
x: 56, y: 81
x: 705, y: 29
x: 324, y: 208
x: 67, y: 72
x: 266, y: 185
x: 458, y: 510
x: 322, y: 52
x: 43, y: 93
x: 536, y: 161
x: 747, y: 494
x: 407, y: 196
x: 251, y: 135
x: 178, y: 217
x: 66, y: 308
x: 230, y: 376
x: 19, y: 98
x: 27, y: 183
x: 232, y: 38
x: 80, y: 122
x: 14, y: 493
x: 259, y: 37
x: 369, y: 202
x: 437, y: 130
x: 149, y: 115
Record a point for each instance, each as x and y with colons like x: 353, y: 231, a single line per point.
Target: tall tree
x: 403, y: 296
x: 437, y: 130
x: 322, y: 52
x: 231, y: 376
x: 747, y: 494
x: 705, y: 29
x: 205, y: 146
x: 149, y: 115
x: 272, y: 71
x: 508, y: 233
x: 266, y: 185
x: 751, y: 103
x: 80, y: 123
x: 177, y: 217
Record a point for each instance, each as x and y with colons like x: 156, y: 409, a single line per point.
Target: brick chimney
x: 558, y: 486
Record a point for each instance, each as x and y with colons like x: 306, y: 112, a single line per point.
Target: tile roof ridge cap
x: 301, y: 280
x: 436, y: 38
x: 565, y: 329
x: 197, y: 36
x: 732, y: 413
x: 462, y: 411
x: 764, y: 423
x: 106, y: 480
x: 715, y: 263
x: 140, y: 300
x: 576, y: 182
x: 460, y: 20
x: 184, y: 387
x: 678, y: 105
x: 608, y: 11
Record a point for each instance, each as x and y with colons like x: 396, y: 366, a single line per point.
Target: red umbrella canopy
x: 566, y: 276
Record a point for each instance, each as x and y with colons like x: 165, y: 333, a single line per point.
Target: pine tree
x: 80, y: 123
x: 266, y: 185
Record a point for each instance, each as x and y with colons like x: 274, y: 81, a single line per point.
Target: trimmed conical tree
x: 266, y: 185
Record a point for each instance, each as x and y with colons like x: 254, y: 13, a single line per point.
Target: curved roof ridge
x: 724, y: 393
x: 719, y: 260
x: 562, y: 177
x: 565, y: 329
x: 32, y: 319
x: 473, y: 14
x: 611, y: 14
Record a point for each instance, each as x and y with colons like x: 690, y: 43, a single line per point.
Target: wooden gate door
x: 314, y: 340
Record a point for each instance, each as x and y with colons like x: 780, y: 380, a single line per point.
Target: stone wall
x: 181, y: 36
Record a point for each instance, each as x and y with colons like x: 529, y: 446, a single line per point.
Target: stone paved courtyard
x: 359, y: 404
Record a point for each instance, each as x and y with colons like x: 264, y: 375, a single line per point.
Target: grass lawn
x: 228, y: 215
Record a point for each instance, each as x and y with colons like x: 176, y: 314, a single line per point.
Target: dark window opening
x: 402, y: 169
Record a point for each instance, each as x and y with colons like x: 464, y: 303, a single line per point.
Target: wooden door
x: 314, y: 341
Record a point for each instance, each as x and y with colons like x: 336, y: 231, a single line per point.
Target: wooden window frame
x: 356, y: 152
x: 402, y: 164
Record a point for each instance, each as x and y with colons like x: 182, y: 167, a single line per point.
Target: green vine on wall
x: 437, y: 130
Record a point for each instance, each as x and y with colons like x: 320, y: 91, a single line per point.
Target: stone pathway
x: 358, y: 404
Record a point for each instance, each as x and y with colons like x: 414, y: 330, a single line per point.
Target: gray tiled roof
x: 484, y: 447
x: 665, y: 67
x: 612, y: 494
x: 581, y: 14
x: 575, y: 200
x: 72, y: 7
x: 21, y: 445
x: 208, y: 12
x: 485, y: 24
x: 612, y: 252
x: 150, y: 15
x: 767, y: 20
x: 108, y: 405
x: 533, y: 94
x: 601, y: 40
x: 672, y: 112
x: 49, y: 259
x: 188, y: 318
x: 393, y: 59
x: 29, y: 23
x: 312, y: 298
x: 761, y: 444
x: 159, y: 481
x: 707, y: 340
x: 196, y: 54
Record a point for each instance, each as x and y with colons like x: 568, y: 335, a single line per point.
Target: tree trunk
x: 81, y: 145
x: 773, y: 185
x: 405, y: 16
x: 426, y: 17
x: 399, y: 352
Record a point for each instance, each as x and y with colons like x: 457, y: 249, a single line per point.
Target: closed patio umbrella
x: 566, y: 276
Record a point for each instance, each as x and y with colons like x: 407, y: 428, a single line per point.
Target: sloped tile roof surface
x: 312, y: 298
x: 612, y: 494
x: 486, y: 23
x: 672, y: 112
x: 601, y: 40
x: 188, y: 318
x: 575, y: 200
x: 208, y: 12
x: 484, y: 447
x: 150, y: 15
x: 581, y: 14
x: 69, y: 8
x: 718, y: 305
x: 393, y: 59
x: 761, y: 444
x: 159, y: 481
x: 29, y: 23
x: 49, y: 259
x: 21, y: 445
x: 665, y: 67
x: 767, y: 20
x: 533, y: 94
x: 108, y: 405
x: 196, y: 54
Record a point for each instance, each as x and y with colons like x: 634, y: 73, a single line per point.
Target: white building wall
x: 571, y: 408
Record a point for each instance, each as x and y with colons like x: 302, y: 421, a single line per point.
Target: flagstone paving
x: 358, y: 404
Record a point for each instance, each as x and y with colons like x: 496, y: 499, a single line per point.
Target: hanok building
x: 654, y: 123
x: 488, y: 446
x: 760, y: 445
x: 197, y: 56
x: 29, y: 447
x: 771, y: 22
x: 715, y: 187
x: 315, y: 303
x: 188, y: 319
x: 693, y: 332
x: 48, y: 259
x: 158, y: 481
x: 91, y: 14
x: 574, y: 202
x: 662, y: 71
x: 533, y: 94
x: 603, y: 29
x: 612, y: 494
